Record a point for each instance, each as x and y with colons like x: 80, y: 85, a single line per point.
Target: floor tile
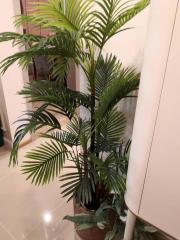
x: 23, y: 205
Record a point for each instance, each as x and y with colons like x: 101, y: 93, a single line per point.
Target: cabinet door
x: 160, y: 204
x: 159, y: 36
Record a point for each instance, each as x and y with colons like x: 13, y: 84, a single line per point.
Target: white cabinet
x: 153, y: 185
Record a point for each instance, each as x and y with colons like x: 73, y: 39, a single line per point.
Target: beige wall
x: 13, y: 80
x: 128, y: 46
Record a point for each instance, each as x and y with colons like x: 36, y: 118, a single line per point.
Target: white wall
x: 128, y: 46
x: 13, y: 80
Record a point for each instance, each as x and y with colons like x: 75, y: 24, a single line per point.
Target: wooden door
x: 41, y: 64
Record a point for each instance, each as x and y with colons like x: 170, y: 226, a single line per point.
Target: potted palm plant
x: 79, y: 31
x: 110, y: 217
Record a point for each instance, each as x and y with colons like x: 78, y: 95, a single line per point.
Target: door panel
x: 160, y: 203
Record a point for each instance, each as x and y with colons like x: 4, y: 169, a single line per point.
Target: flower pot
x: 93, y: 233
x: 1, y: 138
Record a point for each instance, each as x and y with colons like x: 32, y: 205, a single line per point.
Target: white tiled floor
x: 22, y: 206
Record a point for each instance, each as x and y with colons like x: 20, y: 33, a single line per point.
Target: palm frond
x: 70, y: 15
x: 60, y: 49
x: 112, y: 179
x: 110, y: 131
x: 62, y: 136
x: 24, y: 58
x: 31, y: 122
x: 66, y: 49
x: 107, y: 70
x: 80, y: 185
x: 126, y: 14
x: 110, y: 17
x: 19, y: 39
x: 78, y: 126
x: 126, y: 82
x: 55, y: 95
x: 81, y: 129
x: 45, y: 162
x: 122, y: 157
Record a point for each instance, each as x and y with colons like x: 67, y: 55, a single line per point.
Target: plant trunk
x: 93, y: 135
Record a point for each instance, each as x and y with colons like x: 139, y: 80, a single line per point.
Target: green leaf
x: 109, y: 176
x: 79, y: 185
x: 107, y: 70
x: 19, y: 39
x: 125, y: 15
x: 110, y: 18
x: 31, y: 122
x: 87, y: 221
x: 60, y: 49
x: 81, y: 129
x: 125, y: 83
x: 70, y: 15
x: 150, y: 229
x: 64, y: 137
x: 83, y: 221
x: 115, y: 231
x: 110, y: 131
x: 45, y: 162
x: 55, y: 95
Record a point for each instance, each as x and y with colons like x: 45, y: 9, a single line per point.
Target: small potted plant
x: 1, y: 134
x: 79, y: 31
x: 110, y: 218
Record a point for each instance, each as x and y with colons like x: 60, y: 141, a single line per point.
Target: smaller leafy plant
x: 102, y: 219
x: 112, y: 213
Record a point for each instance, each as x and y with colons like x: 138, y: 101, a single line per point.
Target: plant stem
x: 93, y: 98
x: 93, y: 135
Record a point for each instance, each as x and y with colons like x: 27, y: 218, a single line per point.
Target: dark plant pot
x: 1, y: 138
x: 93, y: 233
